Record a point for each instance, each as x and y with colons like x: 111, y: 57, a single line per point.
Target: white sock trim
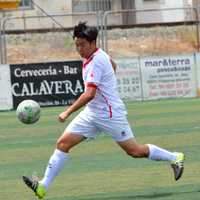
x: 150, y: 150
x: 61, y: 154
x: 157, y: 153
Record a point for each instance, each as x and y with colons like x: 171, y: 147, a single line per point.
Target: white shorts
x: 90, y: 126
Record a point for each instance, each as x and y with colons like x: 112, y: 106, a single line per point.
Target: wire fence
x: 48, y: 37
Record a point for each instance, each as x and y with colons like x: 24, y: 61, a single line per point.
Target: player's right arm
x: 85, y: 97
x: 92, y: 79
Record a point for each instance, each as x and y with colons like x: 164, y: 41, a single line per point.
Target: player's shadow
x: 132, y: 197
x: 145, y: 196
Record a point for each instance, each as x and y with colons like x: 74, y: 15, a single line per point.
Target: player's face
x: 84, y: 47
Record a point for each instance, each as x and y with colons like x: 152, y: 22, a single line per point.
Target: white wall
x: 6, y: 102
x: 173, y: 15
x: 164, y: 16
x: 49, y: 6
x: 65, y: 6
x: 147, y: 17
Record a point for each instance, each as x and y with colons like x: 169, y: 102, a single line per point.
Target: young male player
x: 104, y: 112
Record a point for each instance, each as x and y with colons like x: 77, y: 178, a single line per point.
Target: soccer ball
x: 28, y: 111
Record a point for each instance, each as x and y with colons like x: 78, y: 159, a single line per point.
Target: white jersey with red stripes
x: 98, y: 72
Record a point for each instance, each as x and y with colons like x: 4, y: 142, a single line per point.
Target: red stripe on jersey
x: 110, y: 111
x: 109, y: 105
x: 91, y: 85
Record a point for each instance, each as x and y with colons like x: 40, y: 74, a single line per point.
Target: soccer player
x: 104, y: 112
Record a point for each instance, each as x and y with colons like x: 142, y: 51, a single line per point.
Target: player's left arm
x: 85, y: 97
x: 114, y: 65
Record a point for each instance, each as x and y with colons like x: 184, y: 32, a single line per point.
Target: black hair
x: 89, y: 33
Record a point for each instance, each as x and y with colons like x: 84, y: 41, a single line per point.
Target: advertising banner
x: 168, y: 77
x: 55, y: 83
x: 197, y: 55
x: 6, y: 102
x: 128, y: 78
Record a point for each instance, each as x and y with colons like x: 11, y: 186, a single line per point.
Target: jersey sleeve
x: 94, y: 74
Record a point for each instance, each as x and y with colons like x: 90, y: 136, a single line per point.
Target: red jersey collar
x: 87, y: 61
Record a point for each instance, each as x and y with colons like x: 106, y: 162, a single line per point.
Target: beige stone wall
x: 65, y: 6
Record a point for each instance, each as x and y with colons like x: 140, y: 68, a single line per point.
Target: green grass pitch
x: 99, y: 169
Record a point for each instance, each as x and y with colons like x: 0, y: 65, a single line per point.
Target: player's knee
x: 62, y: 145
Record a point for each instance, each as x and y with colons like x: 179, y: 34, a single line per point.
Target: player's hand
x: 63, y: 116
